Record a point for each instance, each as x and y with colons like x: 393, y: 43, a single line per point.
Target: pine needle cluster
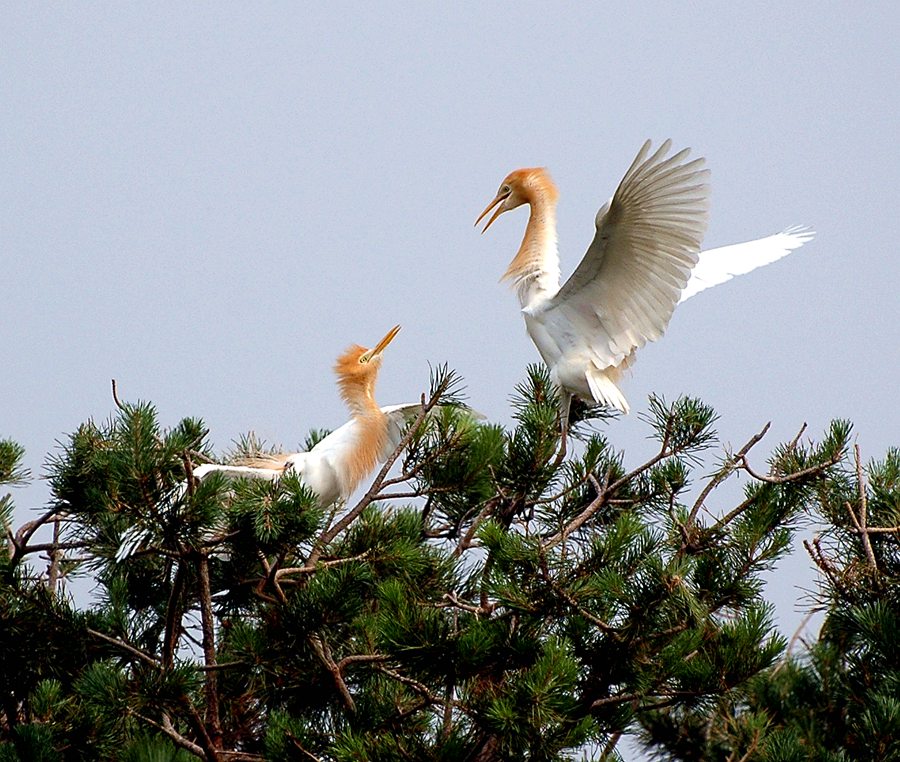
x: 485, y: 600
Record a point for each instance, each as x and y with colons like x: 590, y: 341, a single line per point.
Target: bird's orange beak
x: 388, y: 338
x: 500, y: 210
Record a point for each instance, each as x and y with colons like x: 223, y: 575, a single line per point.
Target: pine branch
x: 173, y: 617
x: 26, y: 532
x: 863, y: 508
x: 324, y: 653
x: 725, y: 472
x: 590, y: 510
x: 785, y: 478
x: 136, y: 652
x: 610, y: 746
x: 169, y: 730
x: 209, y: 652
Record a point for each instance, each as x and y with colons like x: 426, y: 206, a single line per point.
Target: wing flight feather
x: 722, y: 264
x: 648, y: 236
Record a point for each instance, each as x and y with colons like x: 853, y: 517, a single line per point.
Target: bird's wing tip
x: 800, y: 233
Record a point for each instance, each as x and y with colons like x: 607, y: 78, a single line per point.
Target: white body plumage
x: 645, y: 258
x: 327, y: 468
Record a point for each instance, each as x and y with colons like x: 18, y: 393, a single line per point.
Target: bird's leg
x: 565, y: 404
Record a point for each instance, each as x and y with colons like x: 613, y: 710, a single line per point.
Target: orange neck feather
x: 357, y: 392
x: 535, y: 268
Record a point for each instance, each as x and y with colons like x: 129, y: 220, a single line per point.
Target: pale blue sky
x: 209, y: 202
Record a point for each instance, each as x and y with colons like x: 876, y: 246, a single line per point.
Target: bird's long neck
x: 534, y: 270
x: 371, y: 435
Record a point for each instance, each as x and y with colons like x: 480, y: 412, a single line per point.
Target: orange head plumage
x: 357, y: 371
x: 523, y: 186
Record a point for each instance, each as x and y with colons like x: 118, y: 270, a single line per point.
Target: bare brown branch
x: 169, y: 730
x: 581, y: 518
x: 136, y: 652
x: 863, y: 510
x: 726, y: 471
x: 324, y: 653
x: 209, y: 653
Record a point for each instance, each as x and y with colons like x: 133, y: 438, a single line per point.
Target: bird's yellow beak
x: 380, y: 346
x: 500, y: 197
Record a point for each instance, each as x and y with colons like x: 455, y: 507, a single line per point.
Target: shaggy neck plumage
x: 534, y: 271
x: 371, y: 431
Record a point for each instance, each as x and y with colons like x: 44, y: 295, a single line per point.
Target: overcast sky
x: 209, y: 201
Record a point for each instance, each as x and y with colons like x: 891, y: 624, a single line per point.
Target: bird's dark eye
x: 504, y: 190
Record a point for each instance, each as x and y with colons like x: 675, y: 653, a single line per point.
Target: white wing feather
x: 648, y: 237
x: 722, y: 264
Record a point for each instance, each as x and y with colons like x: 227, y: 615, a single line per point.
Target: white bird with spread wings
x: 645, y: 258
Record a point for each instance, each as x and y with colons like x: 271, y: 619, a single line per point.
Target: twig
x: 27, y: 530
x: 472, y: 609
x: 115, y: 396
x: 607, y: 489
x: 324, y: 653
x: 360, y: 659
x: 882, y: 530
x: 300, y: 748
x: 221, y: 666
x: 209, y: 652
x: 423, y: 690
x: 819, y: 559
x: 795, y: 637
x: 310, y: 568
x: 753, y: 746
x: 57, y: 546
x: 726, y: 471
x: 138, y: 653
x: 567, y: 491
x: 580, y: 609
x: 194, y: 718
x: 793, y: 476
x: 809, y: 471
x: 411, y: 493
x: 863, y: 509
x: 610, y: 745
x: 466, y: 542
x: 793, y: 443
x: 592, y: 508
x: 622, y: 698
x: 170, y: 731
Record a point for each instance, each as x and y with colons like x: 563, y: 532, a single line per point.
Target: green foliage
x: 836, y: 701
x: 491, y: 602
x: 11, y: 470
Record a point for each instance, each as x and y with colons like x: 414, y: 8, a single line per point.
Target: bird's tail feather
x: 273, y: 461
x: 604, y: 389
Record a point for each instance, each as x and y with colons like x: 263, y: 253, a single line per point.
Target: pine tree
x: 838, y: 699
x: 490, y: 601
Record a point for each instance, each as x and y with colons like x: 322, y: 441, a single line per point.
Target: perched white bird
x: 337, y: 464
x: 340, y: 461
x: 645, y: 258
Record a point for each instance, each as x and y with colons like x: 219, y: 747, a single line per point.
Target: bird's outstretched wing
x: 648, y: 238
x: 722, y: 264
x: 400, y: 416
